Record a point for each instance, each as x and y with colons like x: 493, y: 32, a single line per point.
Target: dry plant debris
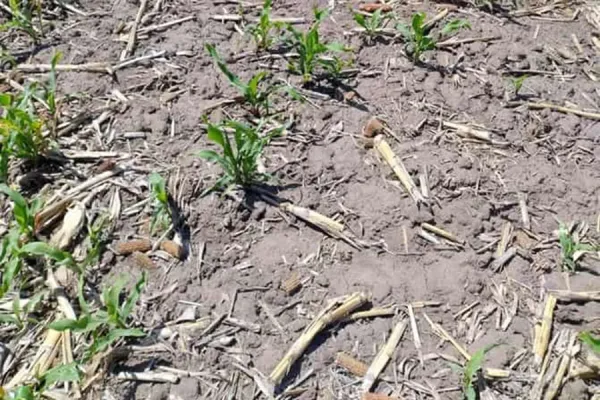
x: 130, y: 268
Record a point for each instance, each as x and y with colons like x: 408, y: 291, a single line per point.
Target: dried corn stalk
x: 398, y: 167
x: 543, y: 331
x: 336, y: 311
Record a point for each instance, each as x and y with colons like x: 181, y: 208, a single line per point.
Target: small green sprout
x: 254, y: 93
x: 418, y: 38
x: 239, y: 158
x: 109, y: 323
x: 22, y: 13
x: 261, y: 31
x: 571, y: 248
x: 373, y: 23
x: 161, y: 211
x: 471, y: 370
x: 314, y: 53
x: 517, y: 83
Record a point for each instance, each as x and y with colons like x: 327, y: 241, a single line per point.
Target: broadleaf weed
x: 373, y: 23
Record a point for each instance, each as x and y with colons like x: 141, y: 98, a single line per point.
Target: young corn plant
x: 20, y: 131
x: 517, y: 84
x: 23, y: 14
x: 571, y: 248
x: 23, y: 212
x: 110, y: 322
x: 35, y: 391
x: 470, y: 372
x: 161, y: 212
x: 262, y: 30
x: 254, y: 92
x: 373, y: 23
x: 314, y: 53
x: 239, y: 158
x: 418, y: 40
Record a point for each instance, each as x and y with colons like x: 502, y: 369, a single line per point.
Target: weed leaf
x: 62, y: 373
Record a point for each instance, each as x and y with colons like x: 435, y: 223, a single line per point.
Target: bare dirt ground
x: 219, y: 322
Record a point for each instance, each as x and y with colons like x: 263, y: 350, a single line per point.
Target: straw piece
x: 441, y: 332
x: 384, y: 356
x: 556, y: 383
x: 440, y: 232
x: 504, y: 239
x: 398, y: 167
x: 567, y: 295
x: 542, y: 337
x: 372, y: 313
x: 72, y: 224
x: 415, y: 332
x: 351, y: 364
x: 565, y: 110
x: 336, y: 311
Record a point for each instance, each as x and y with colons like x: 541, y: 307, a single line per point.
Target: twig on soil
x: 415, y: 332
x: 524, y: 212
x: 165, y: 25
x: 101, y: 67
x: 440, y: 232
x: 457, y: 42
x: 132, y: 34
x: 570, y: 296
x: 384, y: 356
x: 555, y: 107
x: 149, y: 376
x: 334, y: 312
x: 238, y: 18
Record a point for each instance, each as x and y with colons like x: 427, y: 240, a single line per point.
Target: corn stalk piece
x: 398, y: 167
x: 336, y: 311
x: 326, y: 224
x: 384, y: 356
x: 542, y: 332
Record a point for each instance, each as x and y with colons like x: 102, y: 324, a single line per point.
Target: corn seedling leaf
x: 455, y: 26
x: 62, y: 373
x: 591, y: 341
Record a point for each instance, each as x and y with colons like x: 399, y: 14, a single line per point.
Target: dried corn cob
x: 143, y: 261
x: 351, y: 364
x: 131, y: 246
x: 291, y: 284
x: 171, y: 247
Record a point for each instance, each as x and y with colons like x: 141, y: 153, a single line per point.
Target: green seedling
x: 373, y: 23
x: 591, y: 341
x: 22, y: 18
x: 517, y: 83
x: 20, y: 130
x: 49, y: 94
x: 470, y: 373
x: 238, y: 158
x: 109, y: 323
x: 254, y: 92
x: 23, y: 212
x: 20, y: 315
x: 418, y: 39
x: 261, y: 31
x: 161, y: 212
x: 314, y: 53
x: 98, y: 235
x: 571, y: 248
x: 34, y: 391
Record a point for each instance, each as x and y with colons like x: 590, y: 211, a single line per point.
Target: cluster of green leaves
x: 470, y: 371
x: 313, y: 52
x: 238, y: 158
x: 59, y: 374
x: 161, y: 211
x: 109, y: 323
x: 570, y: 247
x: 21, y: 126
x: 263, y: 29
x: 23, y: 14
x: 256, y: 92
x: 18, y: 247
x: 418, y: 38
x: 372, y: 23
